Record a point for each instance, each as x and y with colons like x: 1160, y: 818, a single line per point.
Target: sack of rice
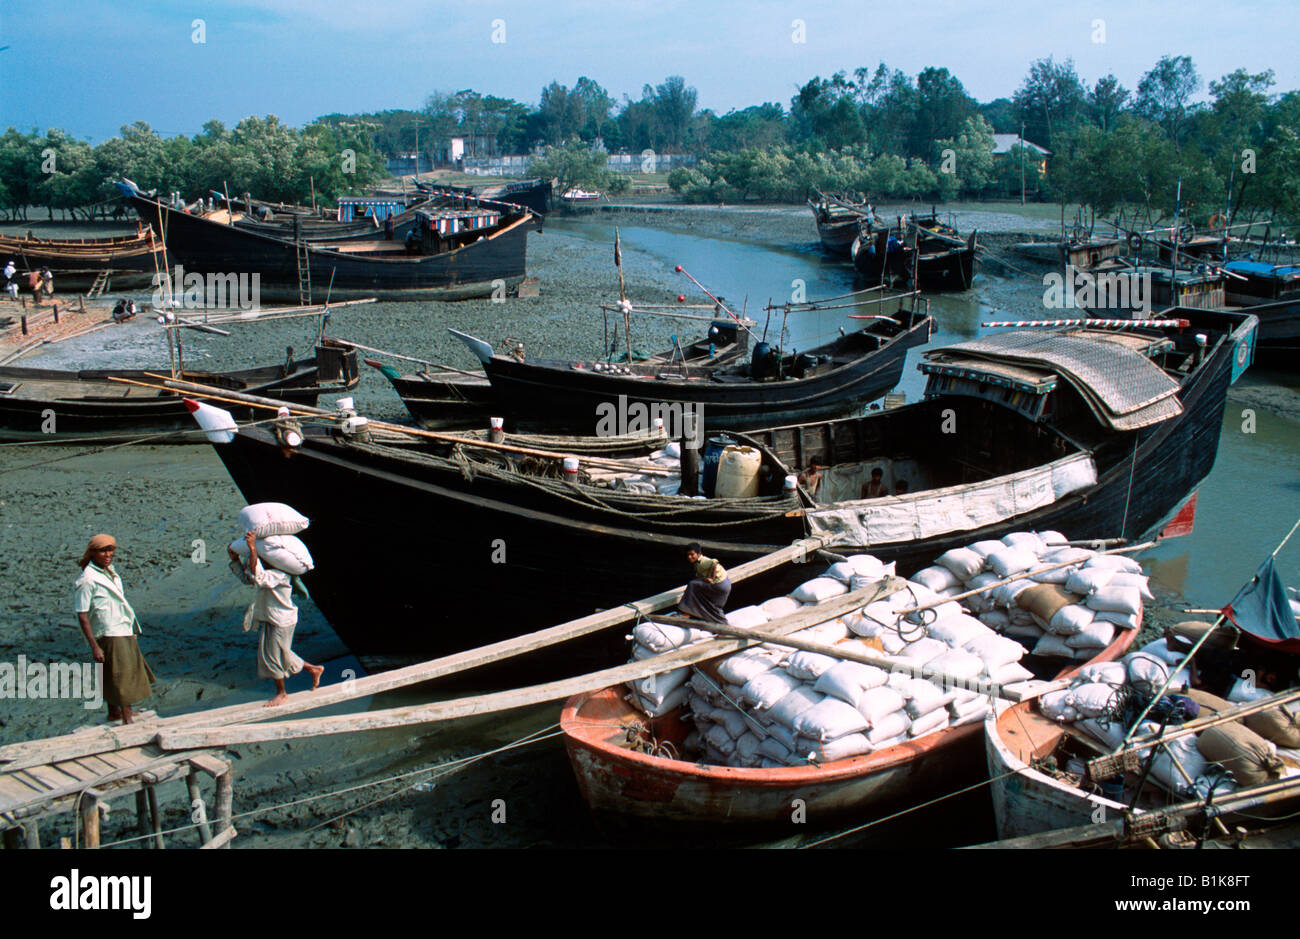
x: 1027, y: 540
x: 1052, y: 538
x: 996, y: 651
x: 957, y: 630
x: 839, y: 749
x: 1043, y: 601
x: 1005, y: 595
x: 863, y: 581
x: 1122, y: 620
x: 747, y: 747
x: 1109, y: 732
x: 876, y: 703
x: 891, y: 642
x: 780, y: 606
x: 1071, y: 619
x: 828, y: 719
x: 1140, y: 581
x: 775, y: 750
x: 794, y: 703
x: 819, y: 589
x: 809, y: 666
x: 923, y: 697
x: 1178, y: 764
x: 842, y: 571
x: 1028, y: 633
x: 1052, y: 646
x: 1116, y: 599
x: 962, y: 562
x: 1010, y: 674
x: 1096, y: 635
x: 1067, y: 555
x: 937, y: 578
x: 957, y: 663
x: 1092, y: 699
x: 995, y: 620
x: 747, y: 617
x: 866, y: 565
x: 1010, y: 561
x: 264, y: 519
x: 717, y: 737
x: 987, y: 547
x: 285, y: 553
x: 743, y: 666
x: 765, y: 690
x: 1115, y: 562
x: 848, y: 680
x: 827, y: 633
x: 782, y: 733
x: 980, y: 602
x: 931, y: 722
x: 664, y: 638
x: 1249, y: 757
x: 1088, y: 580
x: 652, y: 707
x: 1111, y: 673
x: 659, y: 685
x: 887, y: 727
x: 1145, y: 670
x: 960, y: 711
x: 1058, y: 706
x: 1276, y: 724
x: 921, y: 651
x: 735, y: 722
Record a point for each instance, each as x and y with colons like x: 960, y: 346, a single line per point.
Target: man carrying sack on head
x: 110, y: 626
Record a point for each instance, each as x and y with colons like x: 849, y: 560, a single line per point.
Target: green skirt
x: 127, y: 676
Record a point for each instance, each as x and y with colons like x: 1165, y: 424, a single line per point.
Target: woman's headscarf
x: 99, y: 541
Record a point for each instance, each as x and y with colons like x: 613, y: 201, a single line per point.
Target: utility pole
x: 1022, y: 162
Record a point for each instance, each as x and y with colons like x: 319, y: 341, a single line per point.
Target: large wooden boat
x: 532, y: 194
x: 53, y: 405
x: 838, y: 222
x: 917, y: 249
x: 460, y: 253
x: 120, y: 262
x: 623, y: 785
x: 444, y: 399
x: 1081, y: 254
x: 1033, y: 450
x: 824, y: 381
x: 355, y: 219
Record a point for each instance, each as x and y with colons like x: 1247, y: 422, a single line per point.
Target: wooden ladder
x: 99, y: 286
x: 304, y: 274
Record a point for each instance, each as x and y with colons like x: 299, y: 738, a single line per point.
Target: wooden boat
x: 1039, y: 801
x: 444, y: 399
x: 532, y: 194
x: 1034, y: 454
x: 919, y: 249
x: 824, y: 381
x: 88, y: 404
x: 1082, y: 254
x: 580, y: 200
x: 273, y: 220
x: 461, y: 253
x: 837, y: 222
x: 121, y: 262
x: 623, y: 785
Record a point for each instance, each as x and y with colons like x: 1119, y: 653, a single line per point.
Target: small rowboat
x: 622, y: 784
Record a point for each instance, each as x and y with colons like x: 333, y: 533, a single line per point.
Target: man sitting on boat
x: 876, y: 487
x: 708, y: 591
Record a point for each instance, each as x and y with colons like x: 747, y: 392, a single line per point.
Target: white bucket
x: 570, y: 466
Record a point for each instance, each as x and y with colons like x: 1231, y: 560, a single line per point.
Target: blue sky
x: 90, y: 66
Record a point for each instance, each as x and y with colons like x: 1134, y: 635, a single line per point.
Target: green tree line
x: 262, y: 156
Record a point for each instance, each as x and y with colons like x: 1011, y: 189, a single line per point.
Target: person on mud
x: 708, y: 590
x: 110, y: 627
x: 276, y: 616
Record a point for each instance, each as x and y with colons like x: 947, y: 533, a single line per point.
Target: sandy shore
x: 173, y: 510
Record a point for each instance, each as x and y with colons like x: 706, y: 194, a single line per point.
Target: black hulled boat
x: 1016, y: 433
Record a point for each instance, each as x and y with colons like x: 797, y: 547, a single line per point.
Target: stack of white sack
x: 1189, y: 765
x: 276, y: 527
x: 771, y: 706
x: 1071, y: 611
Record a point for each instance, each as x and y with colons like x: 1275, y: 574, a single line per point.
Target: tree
x: 972, y: 159
x: 1049, y: 100
x: 1164, y: 92
x: 594, y: 106
x: 1106, y: 101
x: 573, y: 165
x: 942, y: 108
x: 760, y: 126
x: 674, y: 106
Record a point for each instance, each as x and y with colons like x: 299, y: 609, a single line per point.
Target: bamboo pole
x: 89, y: 812
x: 494, y: 702
x: 196, y: 804
x: 34, y: 753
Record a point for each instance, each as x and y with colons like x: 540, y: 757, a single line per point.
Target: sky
x: 90, y: 66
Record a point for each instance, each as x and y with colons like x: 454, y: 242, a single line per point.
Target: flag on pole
x: 1263, y: 609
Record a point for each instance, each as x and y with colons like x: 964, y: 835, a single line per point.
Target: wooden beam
x: 197, y: 806
x: 104, y: 739
x: 89, y: 809
x: 220, y: 841
x: 476, y: 705
x: 224, y: 803
x: 155, y: 817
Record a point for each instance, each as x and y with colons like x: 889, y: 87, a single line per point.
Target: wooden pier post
x: 155, y: 820
x: 24, y: 323
x: 90, y: 818
x: 225, y: 799
x: 205, y: 827
x: 142, y: 816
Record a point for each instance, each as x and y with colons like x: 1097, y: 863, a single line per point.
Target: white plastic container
x: 570, y: 467
x: 738, y: 473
